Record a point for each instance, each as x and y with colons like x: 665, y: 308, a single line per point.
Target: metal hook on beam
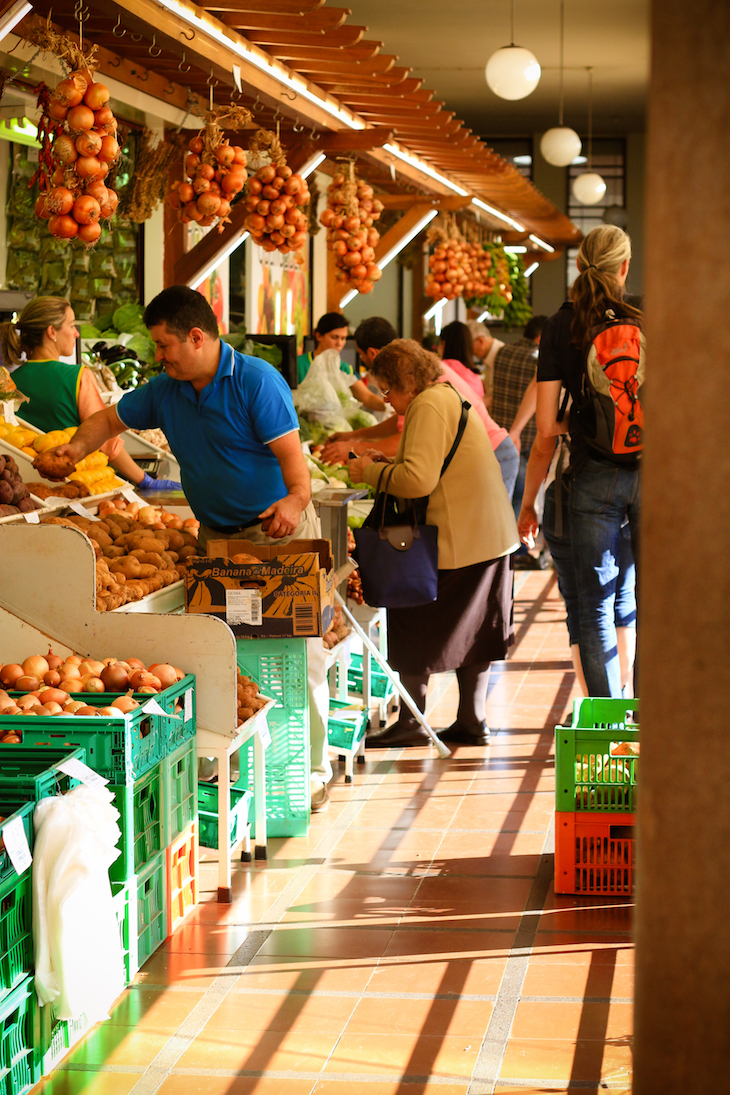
x: 116, y: 28
x: 297, y: 127
x: 184, y: 35
x: 153, y: 47
x: 182, y: 66
x: 291, y: 97
x: 211, y: 81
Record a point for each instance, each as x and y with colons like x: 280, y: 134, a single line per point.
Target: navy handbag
x: 395, y: 550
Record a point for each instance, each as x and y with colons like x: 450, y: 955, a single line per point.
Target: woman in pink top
x: 457, y: 353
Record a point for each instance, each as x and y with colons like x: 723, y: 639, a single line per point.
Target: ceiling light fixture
x: 12, y: 17
x: 419, y: 164
x: 233, y: 244
x: 435, y: 313
x: 498, y: 214
x: 541, y: 243
x: 312, y: 164
x: 348, y: 297
x: 273, y: 69
x: 560, y: 146
x: 589, y: 187
x: 515, y: 249
x: 531, y: 269
x: 512, y: 72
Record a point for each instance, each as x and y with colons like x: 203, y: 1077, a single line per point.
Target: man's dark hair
x: 181, y: 309
x: 534, y: 327
x: 374, y: 332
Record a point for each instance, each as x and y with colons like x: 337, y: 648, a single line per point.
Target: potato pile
x: 338, y: 631
x: 133, y: 558
x: 248, y: 699
x: 14, y: 493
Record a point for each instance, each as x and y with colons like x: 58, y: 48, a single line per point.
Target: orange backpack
x: 609, y: 411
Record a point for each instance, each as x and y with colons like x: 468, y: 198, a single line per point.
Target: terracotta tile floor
x: 412, y: 944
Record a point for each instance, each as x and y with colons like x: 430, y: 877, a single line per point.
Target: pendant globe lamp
x: 589, y: 187
x: 560, y: 145
x: 512, y: 72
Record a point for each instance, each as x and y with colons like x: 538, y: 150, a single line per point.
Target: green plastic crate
x: 9, y: 810
x: 18, y: 1064
x: 176, y: 731
x: 28, y: 773
x: 141, y: 821
x: 346, y: 724
x: 279, y: 666
x: 180, y: 783
x: 118, y: 749
x: 208, y: 815
x: 16, y: 940
x: 595, y: 767
x: 381, y: 687
x: 151, y: 908
x: 120, y: 898
x: 54, y: 1037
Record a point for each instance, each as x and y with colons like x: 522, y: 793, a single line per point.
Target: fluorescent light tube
x: 12, y: 17
x: 232, y: 245
x: 531, y: 269
x: 541, y: 243
x: 498, y: 214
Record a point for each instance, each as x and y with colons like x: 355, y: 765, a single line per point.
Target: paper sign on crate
x: 16, y: 844
x: 290, y: 593
x: 78, y: 770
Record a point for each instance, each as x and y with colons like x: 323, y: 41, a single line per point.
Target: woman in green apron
x: 60, y: 394
x: 331, y: 334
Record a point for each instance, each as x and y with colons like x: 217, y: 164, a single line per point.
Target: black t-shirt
x: 561, y: 359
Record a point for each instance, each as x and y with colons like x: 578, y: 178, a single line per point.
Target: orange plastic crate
x: 594, y: 853
x: 182, y: 877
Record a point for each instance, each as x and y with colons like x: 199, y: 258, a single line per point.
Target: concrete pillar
x: 683, y: 935
x: 548, y: 282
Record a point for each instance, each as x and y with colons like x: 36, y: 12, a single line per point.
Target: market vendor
x: 61, y: 394
x: 231, y: 425
x: 331, y: 334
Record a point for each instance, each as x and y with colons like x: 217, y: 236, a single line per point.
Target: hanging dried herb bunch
x: 146, y: 187
x: 50, y: 40
x: 216, y: 170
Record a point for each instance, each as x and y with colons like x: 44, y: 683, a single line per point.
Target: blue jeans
x: 602, y: 497
x: 509, y: 463
x: 562, y: 553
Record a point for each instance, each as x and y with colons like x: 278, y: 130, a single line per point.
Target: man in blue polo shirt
x: 231, y: 424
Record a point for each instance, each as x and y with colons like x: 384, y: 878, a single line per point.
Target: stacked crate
x: 279, y: 667
x: 596, y: 772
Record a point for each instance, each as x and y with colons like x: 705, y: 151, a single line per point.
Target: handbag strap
x: 460, y: 431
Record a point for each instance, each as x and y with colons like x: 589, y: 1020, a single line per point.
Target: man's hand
x: 335, y: 452
x: 517, y: 443
x: 343, y: 435
x: 57, y: 464
x: 528, y: 525
x: 283, y: 517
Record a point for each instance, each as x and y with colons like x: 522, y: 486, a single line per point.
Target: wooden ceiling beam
x: 322, y: 19
x: 274, y: 7
x: 407, y: 201
x: 394, y: 107
x: 345, y: 91
x: 355, y: 140
x: 345, y: 35
x: 365, y: 51
x: 321, y: 65
x: 401, y: 228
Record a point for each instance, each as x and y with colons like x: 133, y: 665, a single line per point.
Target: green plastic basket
x: 120, y: 899
x: 279, y: 666
x: 596, y: 758
x: 381, y: 687
x: 18, y: 1064
x: 208, y: 815
x: 28, y: 773
x: 151, y: 908
x: 9, y: 810
x: 118, y: 749
x: 54, y: 1037
x: 176, y: 731
x: 180, y: 781
x: 346, y: 724
x: 16, y: 940
x: 141, y: 821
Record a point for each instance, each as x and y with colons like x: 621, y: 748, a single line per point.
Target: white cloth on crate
x: 78, y: 953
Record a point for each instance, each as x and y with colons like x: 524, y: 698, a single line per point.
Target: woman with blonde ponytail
x: 60, y: 394
x: 604, y: 494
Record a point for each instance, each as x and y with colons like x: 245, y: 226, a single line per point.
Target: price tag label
x: 78, y: 770
x: 152, y: 707
x: 264, y: 733
x: 243, y: 606
x: 9, y: 413
x: 236, y: 70
x: 16, y: 845
x: 129, y: 494
x: 188, y: 704
x: 32, y: 518
x: 78, y: 508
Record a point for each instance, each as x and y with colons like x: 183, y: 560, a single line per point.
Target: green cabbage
x: 360, y: 419
x: 143, y: 347
x: 128, y: 318
x: 86, y: 330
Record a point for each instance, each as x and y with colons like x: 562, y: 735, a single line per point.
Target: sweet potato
x: 113, y: 552
x: 103, y: 539
x: 52, y: 466
x: 177, y: 540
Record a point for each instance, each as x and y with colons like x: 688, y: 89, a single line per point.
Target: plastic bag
x: 78, y: 955
x: 324, y: 394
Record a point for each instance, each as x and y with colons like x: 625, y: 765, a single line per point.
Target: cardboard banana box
x: 289, y: 594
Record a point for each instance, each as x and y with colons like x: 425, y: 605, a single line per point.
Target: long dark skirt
x: 470, y: 622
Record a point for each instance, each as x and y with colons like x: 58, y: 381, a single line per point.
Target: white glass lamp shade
x: 560, y: 146
x: 512, y: 72
x: 589, y: 188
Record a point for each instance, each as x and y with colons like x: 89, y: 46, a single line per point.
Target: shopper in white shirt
x: 485, y: 351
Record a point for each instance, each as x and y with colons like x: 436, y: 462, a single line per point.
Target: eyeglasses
x: 385, y: 392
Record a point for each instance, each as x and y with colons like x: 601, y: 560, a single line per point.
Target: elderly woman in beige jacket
x: 470, y: 623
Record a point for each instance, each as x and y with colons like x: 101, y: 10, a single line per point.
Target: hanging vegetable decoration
x: 495, y: 292
x: 351, y: 212
x: 450, y: 264
x: 79, y: 145
x: 216, y: 171
x: 518, y: 311
x: 478, y: 269
x: 275, y: 200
